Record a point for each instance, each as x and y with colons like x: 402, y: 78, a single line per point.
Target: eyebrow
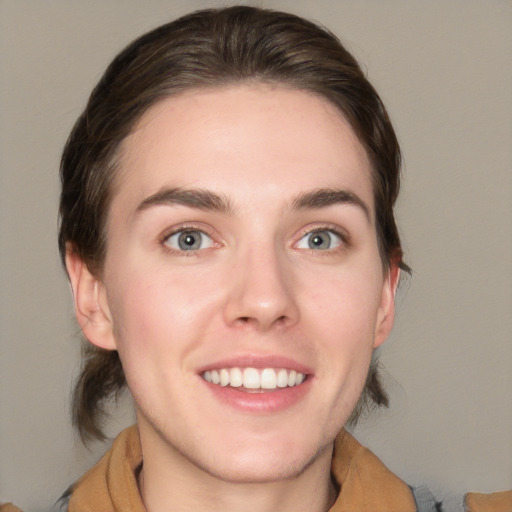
x: 193, y: 198
x: 324, y: 197
x: 210, y: 201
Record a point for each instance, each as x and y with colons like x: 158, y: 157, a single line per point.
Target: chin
x: 268, y: 463
x: 258, y: 471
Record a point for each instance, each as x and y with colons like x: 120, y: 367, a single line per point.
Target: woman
x: 244, y: 161
x: 227, y: 226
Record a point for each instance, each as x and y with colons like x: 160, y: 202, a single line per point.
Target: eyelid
x: 184, y: 227
x: 335, y: 229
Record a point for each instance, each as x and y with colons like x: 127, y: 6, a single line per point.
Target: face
x: 242, y: 286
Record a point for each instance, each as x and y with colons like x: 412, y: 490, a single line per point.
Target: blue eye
x: 320, y: 240
x: 189, y: 240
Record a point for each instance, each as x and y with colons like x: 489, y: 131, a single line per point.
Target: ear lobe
x: 386, y: 313
x: 91, y: 308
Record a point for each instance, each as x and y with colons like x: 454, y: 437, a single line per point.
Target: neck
x: 170, y: 481
x: 236, y: 497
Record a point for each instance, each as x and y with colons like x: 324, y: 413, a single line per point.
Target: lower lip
x: 265, y: 401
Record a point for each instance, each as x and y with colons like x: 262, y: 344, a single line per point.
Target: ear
x: 386, y: 313
x: 90, y: 300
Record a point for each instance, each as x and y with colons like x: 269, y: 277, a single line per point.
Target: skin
x: 255, y: 287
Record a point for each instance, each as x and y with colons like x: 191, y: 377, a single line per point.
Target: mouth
x: 250, y: 379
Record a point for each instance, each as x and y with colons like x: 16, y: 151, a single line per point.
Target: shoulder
x: 9, y: 507
x: 367, y: 484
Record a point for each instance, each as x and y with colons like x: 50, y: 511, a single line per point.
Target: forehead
x: 272, y: 140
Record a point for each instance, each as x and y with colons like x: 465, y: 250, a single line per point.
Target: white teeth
x: 268, y: 379
x: 224, y: 377
x: 236, y: 378
x: 252, y: 378
x: 282, y: 379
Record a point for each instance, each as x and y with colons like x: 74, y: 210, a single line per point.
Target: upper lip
x: 259, y: 362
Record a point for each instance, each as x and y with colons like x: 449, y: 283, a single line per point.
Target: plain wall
x: 444, y: 70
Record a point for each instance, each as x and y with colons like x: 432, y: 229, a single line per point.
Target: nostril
x: 248, y: 320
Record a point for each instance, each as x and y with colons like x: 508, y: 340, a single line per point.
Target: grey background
x: 444, y: 70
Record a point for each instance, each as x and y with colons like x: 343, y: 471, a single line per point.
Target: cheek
x: 346, y: 301
x: 147, y: 332
x: 157, y: 313
x: 345, y: 314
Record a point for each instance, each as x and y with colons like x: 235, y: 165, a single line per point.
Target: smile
x: 252, y: 378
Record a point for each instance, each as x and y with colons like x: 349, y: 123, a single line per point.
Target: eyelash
x: 164, y: 241
x: 341, y: 234
x: 185, y: 228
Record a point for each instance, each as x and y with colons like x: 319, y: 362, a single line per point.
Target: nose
x: 261, y: 290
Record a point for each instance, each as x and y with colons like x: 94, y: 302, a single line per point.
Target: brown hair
x: 207, y: 49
